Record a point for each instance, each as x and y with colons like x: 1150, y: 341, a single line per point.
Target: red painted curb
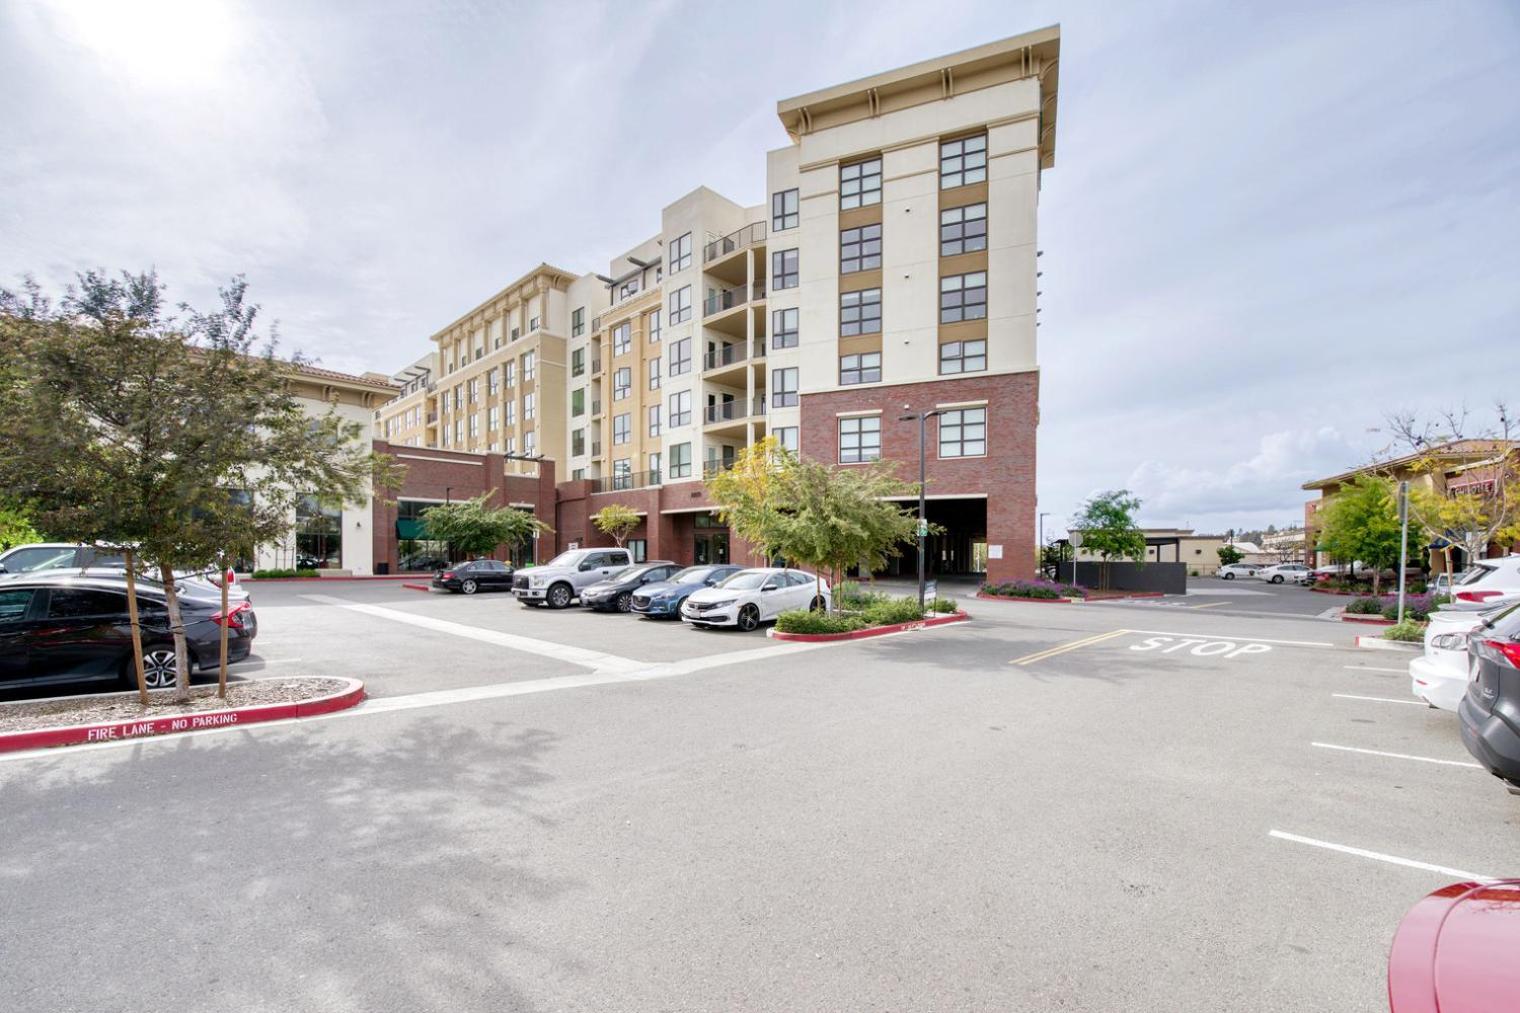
x: 1042, y: 601
x: 1373, y: 620
x: 115, y: 731
x: 1120, y: 595
x: 874, y: 631
x: 417, y: 587
x: 315, y: 580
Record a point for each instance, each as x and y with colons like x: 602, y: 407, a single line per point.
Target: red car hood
x: 1456, y: 951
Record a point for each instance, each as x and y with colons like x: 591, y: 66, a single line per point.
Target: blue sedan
x: 665, y: 598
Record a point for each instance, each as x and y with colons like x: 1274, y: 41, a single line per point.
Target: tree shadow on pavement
x: 326, y: 866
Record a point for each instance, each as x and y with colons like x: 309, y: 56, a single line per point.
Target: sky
x: 1268, y: 226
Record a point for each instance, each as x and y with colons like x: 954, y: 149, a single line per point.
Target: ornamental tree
x: 1228, y: 555
x: 616, y: 521
x: 475, y: 529
x: 1107, y: 523
x: 1360, y: 524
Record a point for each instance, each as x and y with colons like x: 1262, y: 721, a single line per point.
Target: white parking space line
x: 1374, y: 668
x: 1379, y: 699
x: 1243, y: 638
x: 1396, y: 756
x: 1378, y: 856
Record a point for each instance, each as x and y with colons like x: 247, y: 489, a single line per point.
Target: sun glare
x: 153, y: 42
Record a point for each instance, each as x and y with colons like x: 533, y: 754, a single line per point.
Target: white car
x: 1487, y: 579
x: 1291, y: 573
x: 751, y: 597
x: 1445, y: 581
x: 1232, y: 570
x: 1440, y: 675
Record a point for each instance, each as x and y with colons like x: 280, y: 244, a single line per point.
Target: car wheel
x: 1228, y: 576
x: 625, y: 602
x: 159, y: 669
x: 559, y: 596
x: 469, y: 587
x: 749, y: 618
x: 816, y: 605
x: 1277, y: 578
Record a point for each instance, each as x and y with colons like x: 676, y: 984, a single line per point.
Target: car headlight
x: 725, y: 603
x: 536, y: 581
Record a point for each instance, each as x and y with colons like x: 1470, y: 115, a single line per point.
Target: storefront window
x: 319, y: 535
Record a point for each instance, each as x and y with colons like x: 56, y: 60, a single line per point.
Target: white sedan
x: 1232, y: 570
x: 1440, y: 675
x: 751, y: 597
x: 1292, y: 573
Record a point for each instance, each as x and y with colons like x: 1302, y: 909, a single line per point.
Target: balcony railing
x: 728, y: 411
x: 596, y: 365
x: 728, y: 298
x: 627, y: 480
x: 712, y: 468
x: 596, y: 408
x: 596, y: 450
x: 746, y: 236
x: 730, y: 354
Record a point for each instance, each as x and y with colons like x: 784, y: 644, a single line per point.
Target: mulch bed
x: 27, y: 715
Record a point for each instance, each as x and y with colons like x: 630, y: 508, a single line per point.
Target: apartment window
x: 516, y: 333
x: 862, y: 368
x: 783, y: 210
x: 459, y: 430
x: 578, y: 402
x: 859, y: 439
x: 784, y: 328
x: 511, y: 444
x: 493, y: 418
x: 622, y: 338
x: 532, y: 324
x: 622, y: 428
x: 474, y: 424
x: 509, y: 374
x: 680, y: 409
x: 577, y: 361
x: 577, y: 442
x: 963, y: 433
x: 963, y: 161
x: 530, y: 443
x: 445, y: 436
x: 680, y: 460
x: 458, y: 396
x: 475, y: 390
x: 787, y: 437
x: 654, y: 420
x: 680, y: 254
x: 577, y: 474
x: 493, y: 381
x: 860, y: 184
x: 530, y: 401
x: 652, y: 326
x: 680, y: 357
x: 963, y: 356
x: 654, y: 468
x: 578, y: 321
x: 630, y: 288
x: 860, y: 249
x: 680, y: 305
x: 963, y: 297
x: 654, y: 374
x: 622, y: 473
x: 784, y: 387
x: 529, y: 361
x: 784, y: 269
x: 860, y: 312
x: 962, y: 230
x: 511, y: 412
x: 622, y: 382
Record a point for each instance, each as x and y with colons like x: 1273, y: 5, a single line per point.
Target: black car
x: 476, y: 575
x: 615, y: 593
x: 1490, y: 712
x: 64, y: 627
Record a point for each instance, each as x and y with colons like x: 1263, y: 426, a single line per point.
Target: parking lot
x: 1119, y: 806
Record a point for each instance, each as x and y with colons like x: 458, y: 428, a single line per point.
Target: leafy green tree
x: 747, y: 493
x: 125, y: 424
x: 15, y: 528
x: 616, y: 521
x: 1228, y: 555
x: 475, y: 529
x: 1107, y: 523
x: 1360, y: 524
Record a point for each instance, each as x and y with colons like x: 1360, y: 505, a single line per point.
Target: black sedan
x: 476, y: 575
x: 65, y: 627
x: 1490, y: 712
x: 615, y: 594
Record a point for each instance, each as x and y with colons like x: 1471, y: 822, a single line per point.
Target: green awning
x: 410, y: 529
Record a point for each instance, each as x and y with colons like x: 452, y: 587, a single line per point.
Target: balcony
x: 721, y: 364
x: 732, y: 414
x: 733, y: 242
x: 596, y: 408
x: 596, y: 449
x: 730, y: 298
x: 596, y: 365
x: 619, y: 483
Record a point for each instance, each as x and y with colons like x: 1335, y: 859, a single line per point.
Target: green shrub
x: 899, y: 610
x: 807, y: 621
x: 1408, y: 631
x: 277, y: 573
x: 1367, y: 606
x: 850, y: 595
x: 942, y: 605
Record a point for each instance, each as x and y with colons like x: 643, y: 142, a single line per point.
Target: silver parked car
x: 561, y: 580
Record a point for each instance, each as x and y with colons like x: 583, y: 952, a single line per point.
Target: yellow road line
x: 1063, y: 648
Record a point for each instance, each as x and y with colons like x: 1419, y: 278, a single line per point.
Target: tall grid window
x: 529, y: 365
x: 509, y: 374
x: 622, y: 338
x: 654, y: 374
x: 493, y: 381
x: 963, y: 297
x: 860, y: 312
x: 680, y: 305
x: 680, y: 409
x: 859, y: 439
x: 622, y: 474
x: 860, y: 184
x: 654, y: 467
x: 680, y: 357
x: 577, y: 361
x: 493, y: 418
x: 859, y: 249
x: 474, y: 424
x: 784, y: 387
x: 783, y: 210
x: 963, y: 161
x: 680, y: 460
x: 787, y: 437
x: 578, y: 321
x: 530, y: 443
x: 577, y: 442
x: 963, y: 433
x: 784, y: 269
x: 963, y: 356
x: 652, y: 326
x: 511, y: 406
x: 578, y: 402
x: 511, y: 444
x: 532, y: 324
x: 474, y: 390
x: 864, y: 367
x: 622, y: 428
x: 653, y: 413
x: 962, y: 230
x: 784, y: 328
x: 622, y: 382
x: 530, y: 404
x: 680, y: 254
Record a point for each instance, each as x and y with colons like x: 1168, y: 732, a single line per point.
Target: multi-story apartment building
x: 890, y: 270
x: 411, y: 419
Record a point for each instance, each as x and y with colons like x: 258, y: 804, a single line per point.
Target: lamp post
x: 1403, y: 542
x: 923, y: 520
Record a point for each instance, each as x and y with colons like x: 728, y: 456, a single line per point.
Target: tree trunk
x: 177, y: 624
x: 1377, y: 579
x: 221, y: 677
x: 137, y: 652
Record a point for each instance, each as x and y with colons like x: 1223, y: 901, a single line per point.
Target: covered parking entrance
x: 959, y: 550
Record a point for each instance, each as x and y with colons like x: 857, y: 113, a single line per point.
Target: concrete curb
x: 417, y: 587
x: 1347, y: 617
x: 69, y: 735
x: 1042, y: 601
x: 1379, y: 644
x: 323, y: 580
x: 874, y: 631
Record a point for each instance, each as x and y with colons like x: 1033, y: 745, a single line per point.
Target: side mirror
x: 3, y: 569
x: 588, y: 565
x: 768, y: 587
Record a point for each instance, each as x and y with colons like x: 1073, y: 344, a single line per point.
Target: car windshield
x: 625, y: 572
x: 1474, y: 575
x: 745, y: 580
x: 1492, y: 617
x: 571, y: 558
x: 691, y: 575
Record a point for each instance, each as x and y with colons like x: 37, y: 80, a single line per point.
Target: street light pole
x: 1403, y: 542
x: 923, y: 476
